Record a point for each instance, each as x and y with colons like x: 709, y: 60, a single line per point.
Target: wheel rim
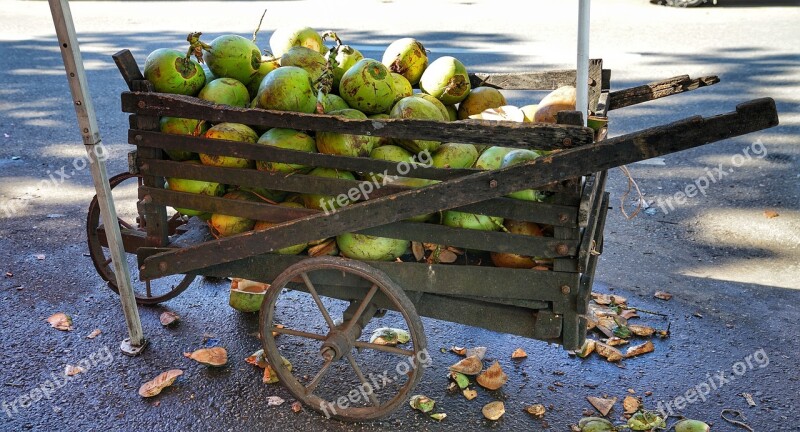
x: 146, y: 292
x: 373, y: 381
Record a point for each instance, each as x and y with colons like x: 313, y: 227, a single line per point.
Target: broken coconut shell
x: 536, y: 410
x: 470, y: 394
x: 479, y: 352
x: 595, y: 424
x: 493, y: 378
x: 636, y: 350
x: 493, y: 410
x: 422, y: 403
x: 610, y: 353
x: 689, y: 425
x: 587, y: 348
x: 471, y: 365
x: 641, y: 330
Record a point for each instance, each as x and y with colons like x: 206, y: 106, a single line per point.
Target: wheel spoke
x: 354, y: 365
x: 317, y: 378
x: 317, y: 300
x: 284, y: 330
x: 384, y: 348
x: 106, y: 262
x: 361, y: 308
x: 124, y: 224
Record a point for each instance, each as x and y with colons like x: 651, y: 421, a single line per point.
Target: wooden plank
x: 542, y: 80
x: 691, y: 132
x: 568, y: 233
x: 464, y: 131
x: 127, y: 67
x: 656, y: 90
x: 595, y: 83
x: 599, y: 210
x: 587, y: 278
x: 548, y: 326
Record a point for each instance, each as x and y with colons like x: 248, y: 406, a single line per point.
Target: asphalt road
x: 734, y: 273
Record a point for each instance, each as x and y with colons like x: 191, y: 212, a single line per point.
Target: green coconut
x: 442, y: 107
x: 454, y: 155
x: 371, y: 248
x: 232, y: 56
x: 457, y: 219
x: 446, y: 79
x: 327, y: 202
x: 287, y: 88
x: 231, y: 132
x: 266, y: 194
x: 247, y: 296
x: 452, y: 112
x: 226, y: 91
x: 268, y: 64
x: 225, y: 225
x: 331, y: 102
x: 195, y: 187
x: 689, y: 425
x: 346, y: 57
x: 286, y: 139
x: 416, y: 108
x: 416, y: 183
x: 408, y: 57
x: 402, y: 88
x: 309, y: 60
x: 289, y: 250
x: 182, y: 126
x: 284, y: 38
x: 519, y: 156
x: 171, y: 72
x: 368, y: 87
x: 492, y: 157
x: 480, y: 99
x: 344, y: 144
x: 391, y: 153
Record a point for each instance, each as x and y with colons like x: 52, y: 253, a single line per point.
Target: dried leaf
x: 93, y: 334
x: 610, y: 353
x: 297, y: 406
x: 163, y: 380
x: 641, y: 330
x: 602, y: 405
x: 587, y: 348
x: 631, y: 404
x: 769, y: 214
x: 519, y: 353
x: 70, y: 370
x: 422, y: 403
x: 479, y: 352
x: 470, y: 394
x: 418, y: 250
x: 663, y: 295
x: 493, y: 378
x: 323, y: 248
x: 169, y: 318
x: 601, y: 299
x: 274, y: 401
x: 536, y: 410
x: 469, y: 366
x: 439, y: 416
x: 636, y: 350
x: 60, y: 321
x: 216, y: 356
x: 749, y: 398
x: 493, y: 410
x: 459, y: 350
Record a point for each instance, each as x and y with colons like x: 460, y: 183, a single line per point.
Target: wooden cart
x: 354, y: 297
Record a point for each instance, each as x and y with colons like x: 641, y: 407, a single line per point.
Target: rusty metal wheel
x: 124, y: 189
x: 336, y: 370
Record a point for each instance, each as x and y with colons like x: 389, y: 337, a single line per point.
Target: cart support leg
x: 76, y: 75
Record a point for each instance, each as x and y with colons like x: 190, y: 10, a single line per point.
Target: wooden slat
x: 544, y: 80
x: 587, y: 278
x: 464, y: 131
x: 656, y: 90
x: 691, y: 132
x: 127, y: 67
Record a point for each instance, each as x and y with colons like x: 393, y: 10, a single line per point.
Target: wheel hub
x: 336, y: 345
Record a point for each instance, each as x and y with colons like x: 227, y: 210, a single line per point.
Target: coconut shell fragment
x: 536, y: 410
x: 216, y: 356
x: 640, y: 349
x: 470, y: 394
x: 471, y: 365
x: 493, y: 410
x: 587, y: 348
x: 610, y: 353
x: 631, y: 404
x: 479, y: 352
x: 422, y: 403
x: 163, y: 380
x: 493, y: 378
x: 519, y: 353
x: 602, y: 405
x: 641, y: 330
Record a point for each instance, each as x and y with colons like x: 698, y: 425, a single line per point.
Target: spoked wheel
x: 124, y: 189
x: 336, y: 370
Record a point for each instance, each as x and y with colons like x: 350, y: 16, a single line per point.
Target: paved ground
x: 734, y: 272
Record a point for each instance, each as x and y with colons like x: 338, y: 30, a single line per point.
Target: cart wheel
x: 335, y: 370
x: 124, y: 189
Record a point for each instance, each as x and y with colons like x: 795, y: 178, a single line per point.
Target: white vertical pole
x: 76, y: 75
x: 582, y: 79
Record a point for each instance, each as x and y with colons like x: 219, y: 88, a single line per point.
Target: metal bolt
x: 138, y: 137
x: 147, y: 199
x: 78, y: 103
x: 562, y: 249
x: 565, y: 289
x: 563, y: 217
x: 493, y: 184
x: 162, y: 266
x: 72, y: 75
x: 567, y: 141
x: 141, y: 104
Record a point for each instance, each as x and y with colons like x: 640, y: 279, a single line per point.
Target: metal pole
x: 76, y: 75
x: 582, y: 80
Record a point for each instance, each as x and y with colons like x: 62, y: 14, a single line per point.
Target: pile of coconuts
x: 301, y: 73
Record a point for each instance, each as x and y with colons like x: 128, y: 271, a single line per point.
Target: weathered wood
x: 587, y: 278
x: 548, y: 325
x: 568, y: 233
x: 595, y: 83
x: 593, y: 189
x: 465, y: 131
x: 544, y: 80
x: 599, y: 210
x: 691, y: 132
x: 656, y: 90
x: 127, y: 67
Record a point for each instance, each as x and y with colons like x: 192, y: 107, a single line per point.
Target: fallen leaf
x: 389, y: 336
x: 470, y: 394
x: 60, y: 321
x: 769, y: 214
x: 630, y: 404
x: 536, y: 410
x: 274, y: 401
x: 469, y: 366
x: 479, y: 352
x: 636, y: 350
x: 163, y: 380
x: 663, y: 295
x: 493, y: 410
x: 459, y: 350
x: 493, y: 378
x: 587, y: 348
x: 70, y: 370
x: 422, y: 403
x: 297, y: 407
x: 93, y: 334
x: 438, y: 416
x: 641, y: 330
x: 216, y: 356
x: 519, y: 353
x: 749, y: 398
x: 418, y: 250
x: 610, y: 353
x: 602, y: 405
x: 169, y: 318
